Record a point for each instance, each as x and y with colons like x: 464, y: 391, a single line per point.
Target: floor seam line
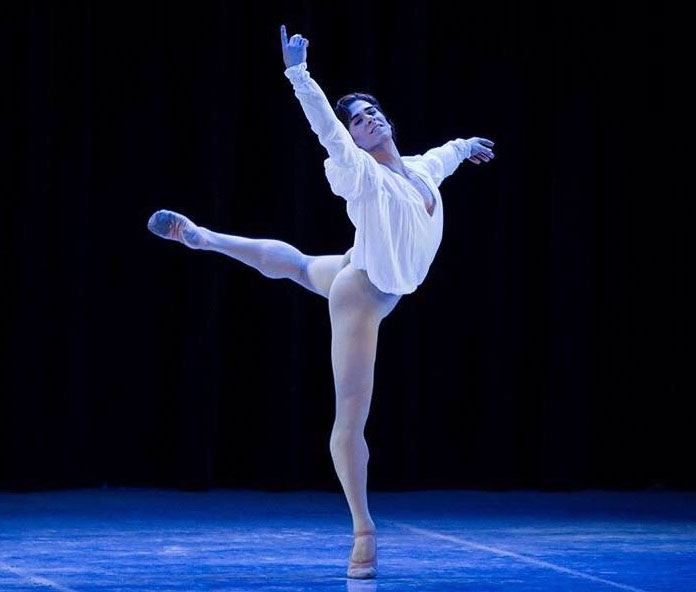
x: 517, y: 556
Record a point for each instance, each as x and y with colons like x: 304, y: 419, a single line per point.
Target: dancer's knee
x: 343, y: 435
x: 279, y: 260
x: 353, y: 404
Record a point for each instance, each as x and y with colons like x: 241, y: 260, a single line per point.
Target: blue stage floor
x: 440, y: 541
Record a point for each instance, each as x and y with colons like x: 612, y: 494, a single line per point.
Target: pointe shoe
x: 175, y: 227
x: 363, y: 569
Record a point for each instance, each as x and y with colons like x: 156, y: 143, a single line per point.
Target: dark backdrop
x: 543, y: 349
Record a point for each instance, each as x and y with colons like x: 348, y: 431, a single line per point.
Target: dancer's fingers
x: 474, y: 160
x: 283, y: 35
x: 486, y: 142
x: 481, y: 150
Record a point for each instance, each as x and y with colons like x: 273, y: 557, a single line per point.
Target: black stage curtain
x: 543, y: 350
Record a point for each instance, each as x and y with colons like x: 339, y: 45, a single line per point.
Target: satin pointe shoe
x: 363, y: 569
x: 175, y: 227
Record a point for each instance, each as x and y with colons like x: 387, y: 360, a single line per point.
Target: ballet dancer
x: 395, y: 205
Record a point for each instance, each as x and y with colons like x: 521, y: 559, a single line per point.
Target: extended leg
x: 273, y: 258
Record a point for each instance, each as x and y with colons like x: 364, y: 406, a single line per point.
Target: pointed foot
x: 173, y: 226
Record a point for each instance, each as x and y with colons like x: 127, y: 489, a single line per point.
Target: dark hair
x: 343, y: 112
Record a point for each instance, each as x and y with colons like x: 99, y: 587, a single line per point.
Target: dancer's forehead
x: 357, y: 107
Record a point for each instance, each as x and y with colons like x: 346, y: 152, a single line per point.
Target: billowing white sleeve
x: 444, y: 160
x: 350, y: 170
x: 332, y: 134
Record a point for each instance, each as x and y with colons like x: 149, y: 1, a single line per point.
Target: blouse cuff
x: 463, y: 148
x: 297, y: 73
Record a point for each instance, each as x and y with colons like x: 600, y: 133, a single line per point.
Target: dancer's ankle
x: 368, y: 526
x: 205, y: 238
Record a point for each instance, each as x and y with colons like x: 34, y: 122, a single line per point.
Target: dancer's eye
x: 359, y: 121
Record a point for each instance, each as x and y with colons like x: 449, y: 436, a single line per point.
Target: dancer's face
x: 368, y: 125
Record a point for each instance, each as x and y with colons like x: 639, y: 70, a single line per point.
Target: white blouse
x: 395, y: 238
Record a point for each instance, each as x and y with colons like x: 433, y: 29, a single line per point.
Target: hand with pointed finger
x: 294, y: 50
x: 481, y: 150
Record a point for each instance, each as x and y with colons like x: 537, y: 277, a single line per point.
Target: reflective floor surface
x: 152, y: 540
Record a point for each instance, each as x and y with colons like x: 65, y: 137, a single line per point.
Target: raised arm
x: 331, y: 132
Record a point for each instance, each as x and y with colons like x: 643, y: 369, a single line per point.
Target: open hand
x: 295, y: 50
x: 481, y: 150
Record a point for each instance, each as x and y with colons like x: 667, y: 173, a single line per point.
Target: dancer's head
x: 362, y: 114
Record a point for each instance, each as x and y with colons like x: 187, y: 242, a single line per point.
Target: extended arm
x: 444, y: 160
x: 331, y: 132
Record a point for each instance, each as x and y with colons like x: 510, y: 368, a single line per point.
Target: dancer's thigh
x: 356, y: 307
x: 352, y: 292
x: 321, y: 270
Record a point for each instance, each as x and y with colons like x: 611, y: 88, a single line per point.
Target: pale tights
x: 356, y: 309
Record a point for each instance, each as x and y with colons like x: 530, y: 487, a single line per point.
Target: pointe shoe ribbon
x: 362, y: 569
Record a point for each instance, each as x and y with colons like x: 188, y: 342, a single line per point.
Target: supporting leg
x: 356, y: 308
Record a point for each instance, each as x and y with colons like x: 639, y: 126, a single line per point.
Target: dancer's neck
x: 387, y: 154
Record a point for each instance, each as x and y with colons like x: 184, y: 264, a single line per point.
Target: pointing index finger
x: 283, y: 35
